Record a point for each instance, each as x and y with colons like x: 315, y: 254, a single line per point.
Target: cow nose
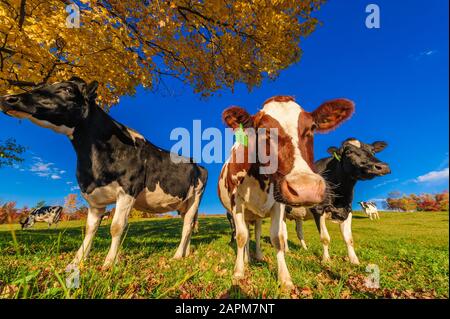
x: 304, y: 190
x: 381, y: 168
x: 11, y: 100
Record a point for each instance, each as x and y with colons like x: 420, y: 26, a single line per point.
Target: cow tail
x: 200, y: 176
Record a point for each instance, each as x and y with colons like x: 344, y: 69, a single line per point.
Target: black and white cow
x: 352, y: 162
x: 370, y: 209
x: 48, y: 214
x: 115, y: 164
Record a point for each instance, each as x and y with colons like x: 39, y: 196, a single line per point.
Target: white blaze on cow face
x: 287, y: 114
x: 300, y: 185
x: 355, y: 143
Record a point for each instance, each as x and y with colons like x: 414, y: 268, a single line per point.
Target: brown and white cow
x: 250, y: 193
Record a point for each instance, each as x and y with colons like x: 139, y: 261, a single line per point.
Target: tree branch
x: 22, y: 13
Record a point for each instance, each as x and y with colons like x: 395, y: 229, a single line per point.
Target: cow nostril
x: 11, y: 99
x: 291, y: 190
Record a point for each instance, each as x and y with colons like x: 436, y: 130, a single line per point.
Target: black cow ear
x: 331, y: 150
x: 378, y: 146
x: 91, y: 90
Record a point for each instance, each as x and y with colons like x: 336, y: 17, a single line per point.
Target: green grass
x: 410, y: 249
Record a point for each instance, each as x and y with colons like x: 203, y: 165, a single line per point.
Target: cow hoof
x: 107, y: 265
x: 354, y: 261
x: 326, y: 260
x: 177, y: 256
x: 259, y: 257
x: 238, y: 275
x: 304, y: 245
x: 287, y: 286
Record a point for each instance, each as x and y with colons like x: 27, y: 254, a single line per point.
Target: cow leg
x: 278, y: 237
x: 299, y: 230
x: 286, y: 245
x: 324, y: 236
x: 124, y: 205
x: 346, y: 231
x: 188, y: 225
x: 259, y: 255
x: 247, y: 245
x: 241, y: 240
x: 92, y: 223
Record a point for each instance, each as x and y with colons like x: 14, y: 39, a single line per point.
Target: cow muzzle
x: 304, y: 190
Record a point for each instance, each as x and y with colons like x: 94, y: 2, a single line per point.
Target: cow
x: 252, y: 189
x: 48, y: 214
x: 370, y: 209
x: 353, y: 161
x: 115, y: 164
x: 232, y: 226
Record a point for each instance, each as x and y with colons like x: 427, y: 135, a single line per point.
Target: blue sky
x: 397, y: 75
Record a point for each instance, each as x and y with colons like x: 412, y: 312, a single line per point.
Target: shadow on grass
x: 155, y: 234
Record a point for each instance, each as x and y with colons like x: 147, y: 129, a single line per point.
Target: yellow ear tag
x: 336, y: 156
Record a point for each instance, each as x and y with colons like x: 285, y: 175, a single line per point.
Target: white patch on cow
x: 103, y: 196
x: 258, y: 201
x: 355, y: 143
x: 157, y: 201
x: 45, y: 124
x: 287, y: 114
x: 135, y: 135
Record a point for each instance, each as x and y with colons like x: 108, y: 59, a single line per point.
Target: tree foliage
x: 10, y: 153
x: 124, y: 43
x: 423, y: 202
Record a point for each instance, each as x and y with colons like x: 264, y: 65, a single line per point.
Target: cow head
x: 59, y: 106
x: 358, y: 159
x: 295, y: 182
x: 26, y: 222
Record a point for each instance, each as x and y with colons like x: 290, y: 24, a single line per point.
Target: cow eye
x: 68, y: 90
x: 313, y: 127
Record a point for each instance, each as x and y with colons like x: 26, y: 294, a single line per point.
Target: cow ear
x: 91, y: 90
x: 234, y: 116
x: 331, y: 150
x: 378, y: 146
x: 331, y: 114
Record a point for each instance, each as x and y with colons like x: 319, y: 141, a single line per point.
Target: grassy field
x: 410, y: 249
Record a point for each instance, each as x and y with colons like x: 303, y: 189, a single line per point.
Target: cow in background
x: 47, y: 214
x: 250, y: 192
x: 370, y: 209
x: 352, y: 162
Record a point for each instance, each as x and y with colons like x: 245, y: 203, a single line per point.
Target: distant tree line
x: 414, y: 202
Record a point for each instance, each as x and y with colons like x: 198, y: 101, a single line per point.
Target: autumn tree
x: 8, y: 212
x: 209, y: 45
x: 10, y: 153
x: 70, y: 203
x: 422, y: 202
